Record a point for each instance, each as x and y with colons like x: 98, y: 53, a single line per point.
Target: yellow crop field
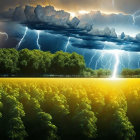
x: 69, y: 108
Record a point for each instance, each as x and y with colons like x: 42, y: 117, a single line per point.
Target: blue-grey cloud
x: 99, y: 19
x: 103, y: 39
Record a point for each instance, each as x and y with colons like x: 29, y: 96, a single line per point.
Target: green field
x: 69, y: 109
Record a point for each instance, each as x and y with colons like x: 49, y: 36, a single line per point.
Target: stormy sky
x: 125, y: 6
x: 90, y: 35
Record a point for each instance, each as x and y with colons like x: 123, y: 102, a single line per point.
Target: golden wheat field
x: 69, y: 108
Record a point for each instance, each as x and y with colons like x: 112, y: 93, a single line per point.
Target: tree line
x: 37, y: 63
x: 130, y: 73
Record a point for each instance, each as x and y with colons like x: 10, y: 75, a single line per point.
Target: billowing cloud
x: 89, y: 22
x: 122, y: 36
x: 138, y: 37
x: 18, y: 14
x: 74, y: 22
x: 50, y: 15
x: 130, y: 24
x: 41, y: 14
x: 99, y: 19
x: 30, y: 14
x: 106, y: 32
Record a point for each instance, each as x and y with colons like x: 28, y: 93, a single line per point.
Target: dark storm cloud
x: 79, y: 38
x: 41, y: 14
x: 104, y: 40
x: 106, y: 43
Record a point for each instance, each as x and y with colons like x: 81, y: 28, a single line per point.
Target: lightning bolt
x: 128, y: 59
x: 37, y: 41
x: 114, y: 76
x: 111, y: 58
x: 138, y: 59
x: 91, y: 60
x: 116, y: 54
x: 4, y: 33
x: 107, y: 64
x: 139, y: 63
x: 68, y: 42
x: 99, y: 59
x: 133, y: 17
x: 121, y: 62
x: 110, y: 62
x: 18, y: 46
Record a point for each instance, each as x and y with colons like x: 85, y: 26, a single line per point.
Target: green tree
x: 13, y: 114
x: 84, y: 122
x: 30, y: 61
x: 100, y: 72
x: 16, y: 129
x: 38, y: 123
x: 8, y: 61
x: 122, y: 127
x: 67, y: 64
x: 127, y: 72
x: 76, y: 64
x: 47, y: 130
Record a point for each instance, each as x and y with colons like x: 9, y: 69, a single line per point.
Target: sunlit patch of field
x: 94, y: 82
x: 89, y: 84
